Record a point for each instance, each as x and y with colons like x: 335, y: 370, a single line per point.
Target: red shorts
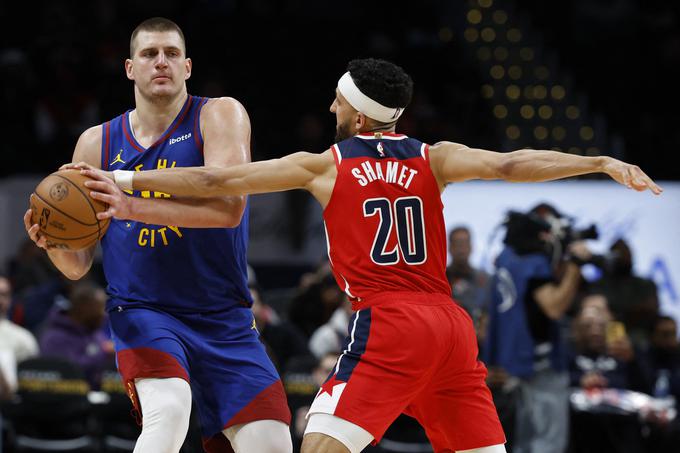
x: 416, y: 354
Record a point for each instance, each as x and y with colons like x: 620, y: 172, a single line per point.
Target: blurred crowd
x: 590, y: 346
x: 604, y: 337
x: 65, y: 72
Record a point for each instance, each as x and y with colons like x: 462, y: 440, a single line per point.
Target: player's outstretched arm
x: 295, y: 171
x: 453, y: 162
x: 312, y: 172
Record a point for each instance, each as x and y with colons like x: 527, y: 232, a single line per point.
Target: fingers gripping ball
x: 67, y: 215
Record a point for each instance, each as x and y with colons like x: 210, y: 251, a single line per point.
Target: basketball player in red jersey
x: 410, y: 348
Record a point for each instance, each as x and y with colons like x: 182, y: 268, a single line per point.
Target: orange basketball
x: 67, y: 215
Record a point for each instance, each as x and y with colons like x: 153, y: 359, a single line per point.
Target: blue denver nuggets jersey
x: 173, y: 268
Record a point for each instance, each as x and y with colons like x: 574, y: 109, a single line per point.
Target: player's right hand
x: 105, y: 190
x: 33, y: 230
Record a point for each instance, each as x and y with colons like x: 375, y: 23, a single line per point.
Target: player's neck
x: 152, y: 117
x: 390, y: 128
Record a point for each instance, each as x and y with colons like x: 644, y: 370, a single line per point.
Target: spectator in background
x: 530, y: 293
x: 19, y: 341
x: 664, y: 352
x: 632, y: 299
x: 316, y: 375
x: 328, y: 338
x: 664, y: 361
x: 469, y: 285
x: 37, y: 284
x: 5, y: 390
x: 16, y: 344
x: 317, y: 300
x: 282, y: 339
x: 75, y: 332
x: 603, y: 354
x: 604, y: 358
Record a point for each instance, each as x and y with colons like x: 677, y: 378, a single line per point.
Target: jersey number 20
x: 407, y: 214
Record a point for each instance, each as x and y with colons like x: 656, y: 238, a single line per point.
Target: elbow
x: 233, y: 214
x: 506, y: 167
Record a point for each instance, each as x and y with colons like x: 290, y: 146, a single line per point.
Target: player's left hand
x: 631, y: 176
x: 105, y: 190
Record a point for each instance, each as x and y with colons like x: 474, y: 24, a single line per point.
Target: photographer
x: 536, y: 280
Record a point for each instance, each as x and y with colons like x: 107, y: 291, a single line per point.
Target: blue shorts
x: 232, y: 379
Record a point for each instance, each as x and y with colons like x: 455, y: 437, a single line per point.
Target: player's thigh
x: 458, y: 413
x: 380, y: 370
x: 322, y: 443
x: 263, y: 436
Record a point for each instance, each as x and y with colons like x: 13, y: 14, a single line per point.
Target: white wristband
x: 123, y: 178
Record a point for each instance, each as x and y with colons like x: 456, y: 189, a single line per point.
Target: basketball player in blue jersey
x: 179, y: 304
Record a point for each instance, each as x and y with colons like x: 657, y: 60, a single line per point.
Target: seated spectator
x: 603, y: 358
x: 7, y: 387
x: 13, y: 337
x: 75, y: 332
x: 632, y: 299
x: 282, y: 339
x: 329, y: 338
x: 664, y: 352
x: 603, y: 354
x: 316, y: 301
x: 664, y: 361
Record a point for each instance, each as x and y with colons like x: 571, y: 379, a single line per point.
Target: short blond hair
x: 156, y: 24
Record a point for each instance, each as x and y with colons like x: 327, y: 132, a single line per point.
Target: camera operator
x: 536, y: 280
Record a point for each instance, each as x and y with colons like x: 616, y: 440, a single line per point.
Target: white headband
x: 366, y: 105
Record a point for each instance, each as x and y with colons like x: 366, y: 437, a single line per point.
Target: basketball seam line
x: 62, y: 212
x: 68, y: 239
x: 87, y: 198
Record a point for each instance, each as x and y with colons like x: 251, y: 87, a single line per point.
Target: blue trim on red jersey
x: 362, y: 146
x: 353, y: 350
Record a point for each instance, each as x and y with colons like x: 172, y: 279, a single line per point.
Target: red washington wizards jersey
x: 384, y: 222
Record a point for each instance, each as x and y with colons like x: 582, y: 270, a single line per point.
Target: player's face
x: 345, y: 117
x: 159, y: 65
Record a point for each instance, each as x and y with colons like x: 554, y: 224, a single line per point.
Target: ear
x: 360, y: 121
x: 188, y: 65
x: 128, y: 70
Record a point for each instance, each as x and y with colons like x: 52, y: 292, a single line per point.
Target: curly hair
x: 382, y: 81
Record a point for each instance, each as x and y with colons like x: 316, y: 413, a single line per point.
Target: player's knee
x: 174, y: 412
x: 265, y: 436
x: 165, y: 402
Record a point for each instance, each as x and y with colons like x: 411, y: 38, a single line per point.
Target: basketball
x: 67, y: 215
